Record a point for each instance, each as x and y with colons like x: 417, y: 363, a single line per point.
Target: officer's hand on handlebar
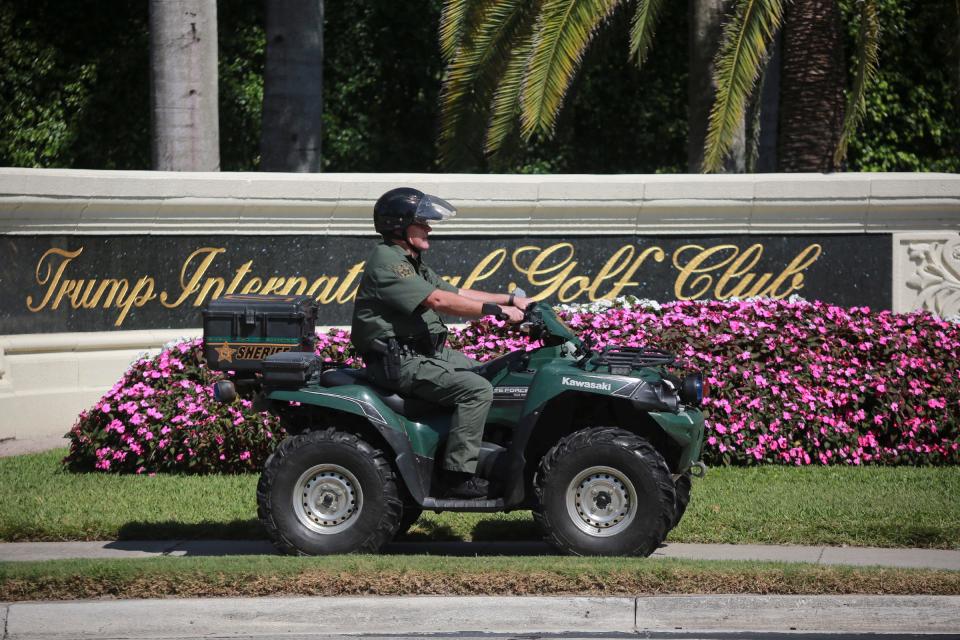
x: 514, y: 314
x: 521, y: 302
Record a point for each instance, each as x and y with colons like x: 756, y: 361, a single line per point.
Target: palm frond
x: 563, y: 32
x: 868, y: 45
x: 506, y: 100
x: 452, y: 18
x: 473, y: 73
x: 456, y: 18
x: 746, y: 39
x: 642, y: 29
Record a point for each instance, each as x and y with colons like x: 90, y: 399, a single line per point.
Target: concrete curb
x: 311, y: 617
x: 853, y: 556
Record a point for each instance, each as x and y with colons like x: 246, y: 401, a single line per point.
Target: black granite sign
x: 96, y: 283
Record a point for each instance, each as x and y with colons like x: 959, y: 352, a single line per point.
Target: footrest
x: 459, y: 504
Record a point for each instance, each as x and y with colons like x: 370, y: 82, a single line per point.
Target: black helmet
x: 397, y: 209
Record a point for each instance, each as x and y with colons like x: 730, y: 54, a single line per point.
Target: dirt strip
x: 812, y: 581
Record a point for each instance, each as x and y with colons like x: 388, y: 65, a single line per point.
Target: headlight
x: 691, y: 389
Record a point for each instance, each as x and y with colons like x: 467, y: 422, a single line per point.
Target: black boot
x: 458, y: 484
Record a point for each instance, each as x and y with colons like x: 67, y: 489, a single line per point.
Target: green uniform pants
x: 436, y: 379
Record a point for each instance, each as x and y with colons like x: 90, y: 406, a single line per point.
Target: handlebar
x: 520, y: 293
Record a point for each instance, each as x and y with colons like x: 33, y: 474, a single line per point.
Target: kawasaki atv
x: 601, y: 445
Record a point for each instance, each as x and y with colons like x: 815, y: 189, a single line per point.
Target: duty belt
x: 427, y: 345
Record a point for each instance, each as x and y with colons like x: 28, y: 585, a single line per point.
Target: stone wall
x: 48, y: 374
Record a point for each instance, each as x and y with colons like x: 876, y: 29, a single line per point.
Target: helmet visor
x: 433, y: 209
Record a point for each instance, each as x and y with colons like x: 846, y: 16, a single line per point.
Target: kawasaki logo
x: 583, y: 384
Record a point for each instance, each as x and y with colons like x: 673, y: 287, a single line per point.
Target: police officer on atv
x: 398, y: 330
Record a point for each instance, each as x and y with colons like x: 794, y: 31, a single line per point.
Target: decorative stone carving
x: 935, y: 275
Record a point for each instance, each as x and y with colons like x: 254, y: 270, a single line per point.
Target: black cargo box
x: 290, y: 369
x: 239, y: 331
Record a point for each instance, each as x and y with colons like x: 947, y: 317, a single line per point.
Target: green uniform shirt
x: 388, y: 302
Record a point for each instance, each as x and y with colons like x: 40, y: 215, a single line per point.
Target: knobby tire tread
x: 385, y: 529
x: 592, y: 437
x: 684, y: 485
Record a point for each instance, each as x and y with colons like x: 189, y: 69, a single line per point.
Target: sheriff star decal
x: 403, y: 269
x: 225, y: 352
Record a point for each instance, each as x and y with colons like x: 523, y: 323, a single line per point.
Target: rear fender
x: 353, y: 399
x: 360, y: 401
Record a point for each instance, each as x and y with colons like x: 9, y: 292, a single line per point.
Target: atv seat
x: 408, y: 407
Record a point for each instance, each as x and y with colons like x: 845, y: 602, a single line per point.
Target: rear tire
x: 604, y: 491
x: 327, y: 492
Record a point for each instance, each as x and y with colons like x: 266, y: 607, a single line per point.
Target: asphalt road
x: 603, y: 636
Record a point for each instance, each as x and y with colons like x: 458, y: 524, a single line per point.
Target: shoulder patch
x: 403, y: 269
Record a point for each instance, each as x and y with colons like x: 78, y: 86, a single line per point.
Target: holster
x: 389, y: 355
x: 390, y: 351
x: 429, y: 344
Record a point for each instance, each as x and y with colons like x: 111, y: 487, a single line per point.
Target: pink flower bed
x: 792, y: 383
x: 162, y: 416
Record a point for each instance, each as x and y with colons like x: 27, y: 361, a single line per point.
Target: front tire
x: 604, y: 491
x: 328, y: 492
x: 683, y: 486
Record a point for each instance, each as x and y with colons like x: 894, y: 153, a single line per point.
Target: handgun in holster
x: 389, y: 351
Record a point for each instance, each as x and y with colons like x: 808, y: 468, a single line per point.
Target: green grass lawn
x: 875, y: 506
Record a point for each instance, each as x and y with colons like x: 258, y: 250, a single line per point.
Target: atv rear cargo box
x: 290, y: 369
x: 239, y: 331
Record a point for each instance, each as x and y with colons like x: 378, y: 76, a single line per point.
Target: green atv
x: 601, y: 445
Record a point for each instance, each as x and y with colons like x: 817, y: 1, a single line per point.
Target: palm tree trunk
x: 706, y: 26
x: 769, y: 116
x: 293, y: 87
x: 813, y: 76
x: 183, y: 85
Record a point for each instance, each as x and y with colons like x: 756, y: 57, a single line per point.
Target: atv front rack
x: 622, y: 360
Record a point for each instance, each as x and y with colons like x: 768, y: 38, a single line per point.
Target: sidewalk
x: 19, y: 446
x: 857, y: 556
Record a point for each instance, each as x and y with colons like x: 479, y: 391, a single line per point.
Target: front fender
x: 686, y: 428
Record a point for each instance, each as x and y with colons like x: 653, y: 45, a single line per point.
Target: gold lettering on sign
x: 45, y: 280
x: 299, y: 283
x: 348, y: 290
x: 253, y: 286
x: 734, y: 276
x: 239, y: 276
x: 86, y: 294
x: 720, y: 271
x: 485, y: 268
x: 628, y: 265
x: 191, y: 285
x: 557, y: 278
x: 794, y: 271
x: 540, y: 273
x: 740, y: 267
x: 328, y: 283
